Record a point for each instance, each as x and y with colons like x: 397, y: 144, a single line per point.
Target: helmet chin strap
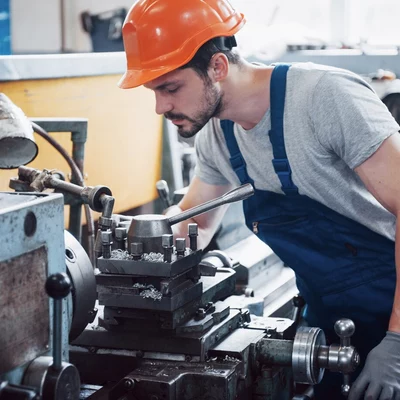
x: 225, y: 42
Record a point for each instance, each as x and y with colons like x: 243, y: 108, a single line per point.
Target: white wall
x: 35, y: 26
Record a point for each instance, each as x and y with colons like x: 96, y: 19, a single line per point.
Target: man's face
x: 186, y: 99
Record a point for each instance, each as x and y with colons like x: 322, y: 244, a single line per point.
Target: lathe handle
x: 163, y: 193
x: 345, y: 329
x: 57, y: 287
x: 237, y: 194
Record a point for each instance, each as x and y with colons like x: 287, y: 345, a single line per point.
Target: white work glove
x: 380, y: 377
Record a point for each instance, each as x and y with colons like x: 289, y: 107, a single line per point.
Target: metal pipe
x: 65, y: 186
x: 240, y: 193
x: 78, y: 174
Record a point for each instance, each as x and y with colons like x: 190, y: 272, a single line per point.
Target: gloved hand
x: 380, y: 377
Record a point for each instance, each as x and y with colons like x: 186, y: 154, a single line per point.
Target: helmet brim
x: 134, y: 78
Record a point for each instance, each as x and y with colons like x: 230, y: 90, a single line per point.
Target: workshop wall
x: 54, y: 26
x: 35, y: 27
x: 123, y: 150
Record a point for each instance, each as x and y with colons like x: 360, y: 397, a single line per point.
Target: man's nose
x: 163, y: 105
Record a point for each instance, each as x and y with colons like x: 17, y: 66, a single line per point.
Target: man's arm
x: 381, y: 175
x: 198, y: 193
x: 380, y: 377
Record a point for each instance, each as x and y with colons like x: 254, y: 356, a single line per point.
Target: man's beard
x: 213, y: 107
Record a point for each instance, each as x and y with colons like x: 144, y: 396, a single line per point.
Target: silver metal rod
x: 55, y: 183
x: 240, y: 193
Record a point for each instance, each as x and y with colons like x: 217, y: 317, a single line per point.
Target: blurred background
x: 62, y: 59
x: 60, y: 26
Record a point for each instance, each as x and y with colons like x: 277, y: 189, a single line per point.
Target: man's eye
x: 172, y: 90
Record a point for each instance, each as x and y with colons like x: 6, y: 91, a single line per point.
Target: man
x: 321, y: 150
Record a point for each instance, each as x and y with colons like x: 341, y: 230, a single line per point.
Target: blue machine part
x: 5, y: 30
x: 32, y: 248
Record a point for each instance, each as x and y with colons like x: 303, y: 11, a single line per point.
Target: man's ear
x: 218, y: 67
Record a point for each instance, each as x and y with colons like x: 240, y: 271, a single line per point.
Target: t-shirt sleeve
x: 349, y: 118
x: 206, y: 147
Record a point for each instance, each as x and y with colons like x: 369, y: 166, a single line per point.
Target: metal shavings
x: 154, y: 257
x: 125, y: 255
x: 151, y: 293
x: 139, y: 286
x: 228, y: 358
x: 120, y: 254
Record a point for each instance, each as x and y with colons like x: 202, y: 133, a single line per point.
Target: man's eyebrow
x: 165, y: 85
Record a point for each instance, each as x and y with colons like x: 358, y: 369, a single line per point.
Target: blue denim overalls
x: 343, y: 269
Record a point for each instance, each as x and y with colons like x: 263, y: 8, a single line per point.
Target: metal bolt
x: 129, y: 383
x: 106, y: 242
x: 271, y: 332
x: 168, y: 246
x: 200, y: 313
x: 137, y: 250
x: 120, y: 233
x: 180, y: 245
x: 120, y: 236
x: 193, y: 233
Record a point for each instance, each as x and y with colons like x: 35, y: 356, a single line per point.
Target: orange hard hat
x: 162, y: 35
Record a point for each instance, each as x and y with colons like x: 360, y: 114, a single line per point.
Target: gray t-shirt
x: 333, y: 122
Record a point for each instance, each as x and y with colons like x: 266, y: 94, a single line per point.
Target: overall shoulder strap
x: 237, y: 161
x: 277, y: 98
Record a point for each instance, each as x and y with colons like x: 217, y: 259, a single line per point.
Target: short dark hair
x: 201, y: 60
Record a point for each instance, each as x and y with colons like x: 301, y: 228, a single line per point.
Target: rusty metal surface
x: 29, y: 223
x: 24, y: 309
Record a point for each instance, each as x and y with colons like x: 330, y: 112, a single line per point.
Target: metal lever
x: 345, y: 328
x: 57, y: 287
x: 298, y: 305
x: 240, y: 193
x: 163, y: 192
x: 50, y: 376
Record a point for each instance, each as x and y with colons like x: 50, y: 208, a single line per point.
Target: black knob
x: 298, y: 301
x: 58, y: 285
